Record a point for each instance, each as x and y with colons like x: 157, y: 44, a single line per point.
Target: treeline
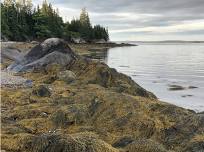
x: 20, y: 22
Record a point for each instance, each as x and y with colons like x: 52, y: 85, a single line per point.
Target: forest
x: 23, y: 22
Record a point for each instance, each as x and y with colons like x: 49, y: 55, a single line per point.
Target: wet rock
x: 51, y: 51
x: 192, y: 87
x: 176, y: 87
x: 188, y: 95
x: 67, y: 76
x: 42, y: 91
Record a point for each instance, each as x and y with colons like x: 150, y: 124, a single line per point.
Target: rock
x: 123, y: 142
x: 192, y: 87
x: 176, y: 87
x: 34, y: 42
x: 51, y: 51
x: 67, y: 76
x: 78, y: 40
x: 99, y: 73
x: 3, y: 38
x: 42, y: 91
x: 11, y: 54
x: 187, y: 95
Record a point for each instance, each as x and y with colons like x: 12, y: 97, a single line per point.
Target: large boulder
x: 51, y: 51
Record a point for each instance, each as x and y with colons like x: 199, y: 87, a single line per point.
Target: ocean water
x: 158, y: 66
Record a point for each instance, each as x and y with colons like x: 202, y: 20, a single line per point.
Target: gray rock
x: 52, y: 58
x: 67, y: 76
x: 53, y: 50
x: 11, y: 54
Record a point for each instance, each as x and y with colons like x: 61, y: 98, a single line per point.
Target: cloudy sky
x: 140, y: 20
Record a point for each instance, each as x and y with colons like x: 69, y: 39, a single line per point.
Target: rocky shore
x: 75, y: 104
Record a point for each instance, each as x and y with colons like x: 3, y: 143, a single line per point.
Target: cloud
x: 124, y: 17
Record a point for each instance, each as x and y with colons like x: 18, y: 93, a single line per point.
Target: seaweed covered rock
x: 56, y: 116
x: 100, y: 73
x: 145, y: 145
x: 42, y: 91
x: 81, y: 142
x: 53, y: 50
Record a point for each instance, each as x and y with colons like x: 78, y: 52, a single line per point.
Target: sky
x: 140, y: 20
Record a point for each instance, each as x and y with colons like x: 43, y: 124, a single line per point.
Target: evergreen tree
x: 84, y: 18
x: 4, y: 22
x: 20, y: 22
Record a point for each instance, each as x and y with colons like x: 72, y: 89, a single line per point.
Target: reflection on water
x: 159, y: 67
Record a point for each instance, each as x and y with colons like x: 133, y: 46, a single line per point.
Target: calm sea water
x: 157, y: 66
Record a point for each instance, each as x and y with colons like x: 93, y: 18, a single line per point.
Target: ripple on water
x: 156, y: 66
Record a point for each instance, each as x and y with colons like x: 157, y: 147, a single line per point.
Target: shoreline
x: 92, y: 51
x: 87, y: 96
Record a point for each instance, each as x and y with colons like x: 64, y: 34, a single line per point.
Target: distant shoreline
x: 165, y: 41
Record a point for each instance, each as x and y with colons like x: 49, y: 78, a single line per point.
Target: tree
x: 8, y: 3
x: 4, y: 23
x: 84, y: 18
x: 21, y: 22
